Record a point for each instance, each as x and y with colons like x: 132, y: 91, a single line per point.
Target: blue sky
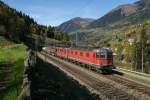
x: 54, y: 12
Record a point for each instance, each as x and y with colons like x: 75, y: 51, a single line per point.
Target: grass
x: 129, y: 75
x: 11, y: 58
x: 123, y: 65
x: 137, y: 78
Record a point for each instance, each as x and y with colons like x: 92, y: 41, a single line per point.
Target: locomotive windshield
x: 104, y: 53
x: 100, y: 55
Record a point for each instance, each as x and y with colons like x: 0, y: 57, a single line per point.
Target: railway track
x: 129, y: 83
x: 108, y: 90
x: 108, y: 86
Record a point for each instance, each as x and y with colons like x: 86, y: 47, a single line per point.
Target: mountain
x: 116, y: 21
x: 124, y: 15
x: 75, y: 24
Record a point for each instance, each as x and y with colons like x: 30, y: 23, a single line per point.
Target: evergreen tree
x: 50, y: 32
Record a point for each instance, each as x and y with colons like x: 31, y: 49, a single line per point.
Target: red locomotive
x: 97, y: 59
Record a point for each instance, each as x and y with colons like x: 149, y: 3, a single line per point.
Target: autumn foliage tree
x: 141, y: 52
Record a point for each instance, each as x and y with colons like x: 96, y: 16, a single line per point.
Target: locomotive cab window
x: 100, y: 55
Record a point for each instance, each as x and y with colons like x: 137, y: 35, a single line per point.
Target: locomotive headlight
x: 44, y: 48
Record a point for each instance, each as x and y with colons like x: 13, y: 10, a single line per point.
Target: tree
x: 136, y: 58
x: 2, y: 29
x: 50, y: 32
x: 143, y: 40
x: 141, y: 52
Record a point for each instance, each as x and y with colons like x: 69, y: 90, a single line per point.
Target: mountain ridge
x: 117, y: 21
x: 75, y: 24
x: 120, y: 13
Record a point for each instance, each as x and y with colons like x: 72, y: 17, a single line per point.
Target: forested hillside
x: 132, y: 47
x: 15, y: 25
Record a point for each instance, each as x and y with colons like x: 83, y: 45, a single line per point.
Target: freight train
x: 98, y: 59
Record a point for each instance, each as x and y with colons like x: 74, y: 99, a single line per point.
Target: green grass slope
x: 11, y: 68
